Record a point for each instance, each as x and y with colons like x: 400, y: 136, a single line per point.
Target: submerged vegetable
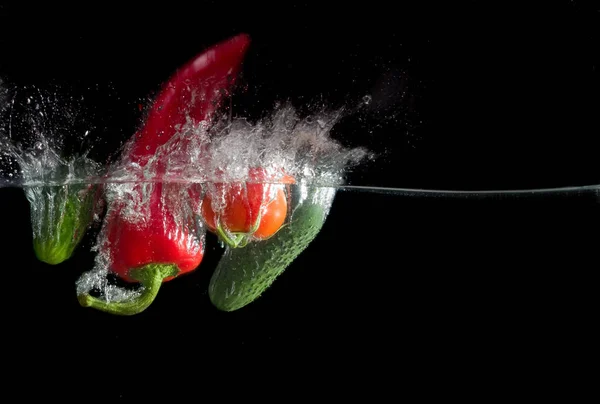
x: 164, y: 242
x: 149, y: 251
x: 243, y: 274
x: 61, y: 212
x: 60, y: 216
x: 245, y: 211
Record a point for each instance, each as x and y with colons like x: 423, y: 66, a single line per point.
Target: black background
x: 491, y: 291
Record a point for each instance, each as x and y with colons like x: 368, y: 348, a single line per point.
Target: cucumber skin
x: 243, y: 274
x: 60, y: 216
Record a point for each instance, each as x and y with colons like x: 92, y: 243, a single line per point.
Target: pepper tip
x: 84, y: 300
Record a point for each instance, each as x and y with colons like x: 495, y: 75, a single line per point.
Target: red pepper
x: 195, y: 91
x: 163, y: 243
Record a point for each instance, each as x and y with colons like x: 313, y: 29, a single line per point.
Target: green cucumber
x: 60, y: 216
x: 243, y: 274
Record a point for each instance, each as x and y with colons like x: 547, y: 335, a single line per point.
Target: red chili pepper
x: 162, y: 244
x: 195, y: 91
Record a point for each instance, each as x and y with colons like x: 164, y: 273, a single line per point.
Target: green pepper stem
x: 151, y: 277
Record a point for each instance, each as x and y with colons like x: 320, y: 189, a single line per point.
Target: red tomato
x: 254, y: 209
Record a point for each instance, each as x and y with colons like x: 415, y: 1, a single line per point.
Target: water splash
x: 43, y: 139
x: 199, y: 155
x: 32, y: 155
x: 227, y: 151
x: 40, y: 131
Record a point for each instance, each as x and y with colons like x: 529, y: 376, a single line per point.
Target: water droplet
x: 367, y: 99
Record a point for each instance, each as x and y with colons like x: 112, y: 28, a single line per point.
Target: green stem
x: 151, y: 276
x: 233, y: 242
x: 238, y: 240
